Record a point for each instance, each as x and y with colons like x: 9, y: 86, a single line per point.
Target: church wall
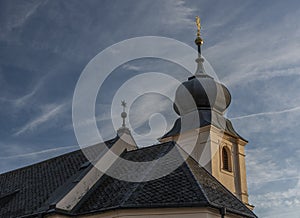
x: 218, y: 141
x: 235, y: 180
x: 194, y: 143
x: 156, y: 213
x: 242, y: 170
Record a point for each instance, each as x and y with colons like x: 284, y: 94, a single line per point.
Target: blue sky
x: 253, y: 46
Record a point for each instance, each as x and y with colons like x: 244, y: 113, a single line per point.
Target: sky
x: 253, y: 46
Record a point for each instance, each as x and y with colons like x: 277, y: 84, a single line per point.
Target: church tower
x: 204, y: 132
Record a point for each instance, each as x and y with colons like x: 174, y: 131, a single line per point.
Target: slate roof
x: 204, y: 118
x: 33, y: 189
x: 34, y: 185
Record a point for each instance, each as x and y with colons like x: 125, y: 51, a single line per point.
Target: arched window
x: 226, y: 160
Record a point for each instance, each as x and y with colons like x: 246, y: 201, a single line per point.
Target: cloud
x: 251, y: 54
x: 266, y: 175
x: 262, y: 168
x: 178, y: 13
x: 20, y: 101
x: 225, y: 17
x: 286, y: 200
x: 131, y: 67
x: 84, y: 125
x: 46, y: 115
x: 39, y: 152
x: 21, y: 13
x: 266, y: 113
x: 260, y: 73
x: 279, y: 212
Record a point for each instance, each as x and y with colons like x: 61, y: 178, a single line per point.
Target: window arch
x: 226, y: 159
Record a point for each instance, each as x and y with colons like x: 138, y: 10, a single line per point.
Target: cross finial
x: 123, y: 114
x: 200, y: 68
x: 198, y: 25
x: 198, y: 40
x: 123, y: 103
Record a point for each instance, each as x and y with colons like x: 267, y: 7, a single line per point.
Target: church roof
x: 36, y: 188
x: 206, y: 118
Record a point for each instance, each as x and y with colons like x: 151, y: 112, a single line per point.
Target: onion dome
x: 201, y: 91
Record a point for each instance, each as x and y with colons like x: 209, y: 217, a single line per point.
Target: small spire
x: 200, y: 68
x: 198, y: 40
x: 123, y: 114
x: 198, y: 23
x: 124, y: 133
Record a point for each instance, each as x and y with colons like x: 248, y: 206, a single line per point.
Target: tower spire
x: 124, y: 133
x: 199, y: 41
x: 123, y: 114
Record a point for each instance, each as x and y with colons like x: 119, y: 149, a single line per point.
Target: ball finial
x: 198, y: 40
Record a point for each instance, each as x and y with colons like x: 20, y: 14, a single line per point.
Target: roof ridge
x: 65, y: 188
x: 142, y: 184
x: 197, y: 182
x: 150, y: 146
x: 127, y: 196
x: 89, y: 193
x: 105, y: 177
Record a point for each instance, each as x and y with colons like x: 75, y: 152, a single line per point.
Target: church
x: 209, y: 179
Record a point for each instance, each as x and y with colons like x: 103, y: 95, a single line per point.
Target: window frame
x: 229, y: 159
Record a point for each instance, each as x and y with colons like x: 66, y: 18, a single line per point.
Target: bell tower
x: 205, y: 133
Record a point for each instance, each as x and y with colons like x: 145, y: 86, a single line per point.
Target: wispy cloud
x: 47, y: 114
x: 265, y: 178
x: 266, y: 113
x: 261, y: 73
x: 289, y: 198
x: 20, y: 101
x: 262, y: 168
x: 40, y: 152
x: 278, y: 212
x: 21, y: 13
x: 278, y: 55
x: 131, y: 67
x: 179, y: 13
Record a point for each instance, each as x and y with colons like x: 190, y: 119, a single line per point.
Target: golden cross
x: 198, y: 26
x: 124, y: 104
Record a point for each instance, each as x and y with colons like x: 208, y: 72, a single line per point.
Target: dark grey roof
x: 34, y: 185
x: 34, y: 188
x: 201, y: 92
x: 206, y: 117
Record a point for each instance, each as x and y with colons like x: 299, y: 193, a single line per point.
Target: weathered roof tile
x: 32, y: 189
